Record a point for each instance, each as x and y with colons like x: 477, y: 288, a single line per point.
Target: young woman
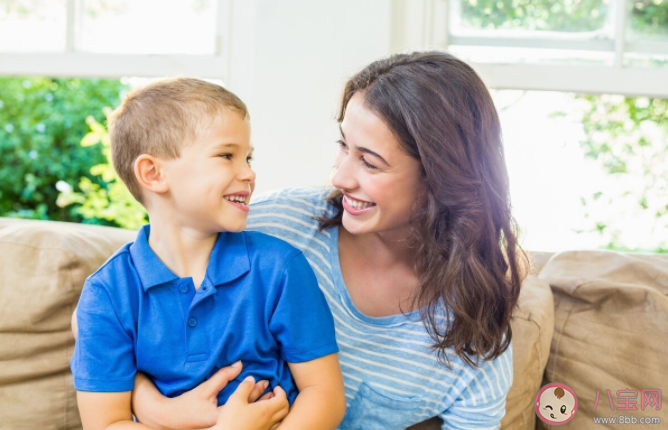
x: 415, y: 249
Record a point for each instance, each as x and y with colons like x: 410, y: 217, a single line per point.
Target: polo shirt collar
x: 228, y: 261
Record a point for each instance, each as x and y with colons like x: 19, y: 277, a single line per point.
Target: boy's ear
x: 150, y: 175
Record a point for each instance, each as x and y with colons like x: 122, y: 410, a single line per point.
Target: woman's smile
x: 355, y: 206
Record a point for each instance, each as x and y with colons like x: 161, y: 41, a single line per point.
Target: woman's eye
x: 563, y: 409
x: 249, y: 159
x: 226, y: 156
x: 367, y: 165
x: 342, y: 144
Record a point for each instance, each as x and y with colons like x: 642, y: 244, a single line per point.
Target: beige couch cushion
x: 533, y: 324
x: 44, y: 265
x: 611, y: 326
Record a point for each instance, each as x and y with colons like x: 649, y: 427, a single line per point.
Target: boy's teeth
x: 236, y: 199
x: 357, y: 205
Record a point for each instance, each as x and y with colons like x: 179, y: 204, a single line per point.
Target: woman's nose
x: 343, y: 176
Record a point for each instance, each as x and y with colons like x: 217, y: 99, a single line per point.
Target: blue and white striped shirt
x: 392, y: 376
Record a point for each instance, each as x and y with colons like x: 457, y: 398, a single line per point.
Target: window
x: 582, y: 91
x: 113, y: 38
x: 587, y: 46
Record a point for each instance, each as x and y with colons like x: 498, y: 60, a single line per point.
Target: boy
x: 194, y: 293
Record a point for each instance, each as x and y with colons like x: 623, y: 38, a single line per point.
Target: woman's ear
x: 150, y: 174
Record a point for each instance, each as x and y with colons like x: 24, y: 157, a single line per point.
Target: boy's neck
x: 184, y: 250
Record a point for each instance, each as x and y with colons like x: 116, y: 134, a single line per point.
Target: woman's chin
x: 354, y: 226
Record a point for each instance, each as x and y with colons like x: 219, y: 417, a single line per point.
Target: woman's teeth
x: 357, y: 204
x: 236, y: 199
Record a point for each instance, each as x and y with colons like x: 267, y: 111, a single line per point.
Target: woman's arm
x: 194, y: 409
x: 321, y: 402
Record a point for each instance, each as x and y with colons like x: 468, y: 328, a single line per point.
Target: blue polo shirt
x: 259, y: 303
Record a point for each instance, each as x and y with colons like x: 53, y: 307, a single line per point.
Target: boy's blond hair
x: 161, y: 118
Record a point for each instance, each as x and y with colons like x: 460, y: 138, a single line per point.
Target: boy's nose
x: 247, y: 174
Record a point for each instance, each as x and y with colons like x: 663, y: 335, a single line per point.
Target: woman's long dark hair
x: 468, y: 258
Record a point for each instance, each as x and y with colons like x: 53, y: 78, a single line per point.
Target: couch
x: 593, y: 320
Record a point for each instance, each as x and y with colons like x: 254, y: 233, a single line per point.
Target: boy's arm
x: 106, y: 411
x: 111, y: 411
x: 194, y: 409
x: 321, y: 402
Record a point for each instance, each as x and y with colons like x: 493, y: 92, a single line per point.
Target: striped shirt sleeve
x: 482, y: 405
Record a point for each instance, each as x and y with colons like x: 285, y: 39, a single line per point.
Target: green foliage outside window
x: 42, y: 121
x: 650, y: 16
x: 646, y: 16
x: 627, y: 138
x: 107, y: 199
x: 566, y: 15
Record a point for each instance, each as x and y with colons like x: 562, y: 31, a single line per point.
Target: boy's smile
x: 239, y: 200
x: 210, y: 184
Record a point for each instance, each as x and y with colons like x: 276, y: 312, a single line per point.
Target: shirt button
x: 183, y: 288
x: 202, y: 290
x: 192, y: 322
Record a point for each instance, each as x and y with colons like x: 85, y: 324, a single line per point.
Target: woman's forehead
x: 363, y: 124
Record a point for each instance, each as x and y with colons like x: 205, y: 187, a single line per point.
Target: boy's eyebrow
x: 224, y: 145
x: 366, y: 150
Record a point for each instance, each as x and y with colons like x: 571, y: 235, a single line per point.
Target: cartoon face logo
x: 556, y: 403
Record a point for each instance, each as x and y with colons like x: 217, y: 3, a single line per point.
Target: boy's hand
x: 240, y: 413
x: 194, y: 409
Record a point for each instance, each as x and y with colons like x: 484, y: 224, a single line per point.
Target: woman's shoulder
x: 304, y: 204
x: 310, y: 196
x: 291, y: 214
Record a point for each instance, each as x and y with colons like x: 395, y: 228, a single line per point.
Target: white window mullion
x: 90, y: 65
x: 579, y: 79
x: 620, y: 32
x: 419, y: 24
x: 524, y: 39
x: 70, y: 23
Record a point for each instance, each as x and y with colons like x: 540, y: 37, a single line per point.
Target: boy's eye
x: 249, y: 159
x: 226, y: 156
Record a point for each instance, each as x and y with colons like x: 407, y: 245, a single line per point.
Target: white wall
x: 290, y: 60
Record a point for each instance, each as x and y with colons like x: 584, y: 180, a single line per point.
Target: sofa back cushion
x: 44, y: 265
x: 611, y: 326
x: 532, y: 323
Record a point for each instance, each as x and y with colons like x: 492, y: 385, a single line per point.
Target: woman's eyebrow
x: 366, y: 150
